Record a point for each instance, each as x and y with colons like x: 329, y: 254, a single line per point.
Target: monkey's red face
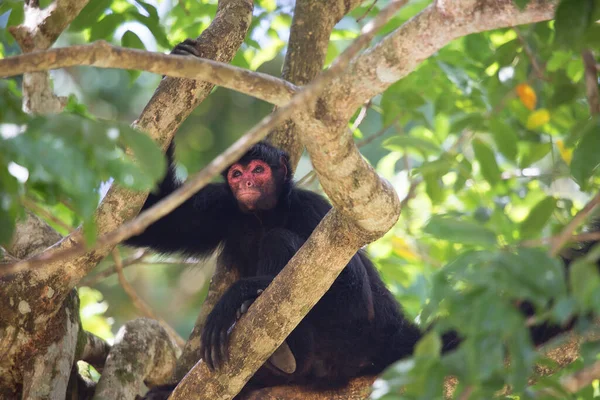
x: 253, y: 185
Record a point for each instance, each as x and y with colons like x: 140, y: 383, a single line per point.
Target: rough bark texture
x: 143, y: 352
x: 31, y: 237
x: 312, y: 25
x: 358, y: 389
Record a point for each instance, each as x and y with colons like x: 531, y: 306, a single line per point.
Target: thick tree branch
x: 310, y: 32
x: 103, y: 55
x: 261, y: 330
x: 43, y: 26
x: 94, y: 351
x: 143, y: 353
x: 172, y: 102
x: 29, y: 314
x: 574, y: 383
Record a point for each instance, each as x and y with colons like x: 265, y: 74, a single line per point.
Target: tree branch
x: 580, y: 379
x: 566, y: 233
x: 591, y: 81
x: 310, y: 33
x: 104, y: 55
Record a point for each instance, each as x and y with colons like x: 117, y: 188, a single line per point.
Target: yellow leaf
x: 565, y: 153
x: 527, y: 95
x: 538, y: 118
x: 402, y: 249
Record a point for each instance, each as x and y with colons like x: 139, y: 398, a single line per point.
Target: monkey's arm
x: 196, y: 227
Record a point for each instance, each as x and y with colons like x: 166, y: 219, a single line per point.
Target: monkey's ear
x: 283, y: 165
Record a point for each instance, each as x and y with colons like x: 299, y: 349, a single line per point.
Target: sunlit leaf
x: 537, y: 119
x: 538, y: 217
x: 459, y: 231
x: 487, y: 162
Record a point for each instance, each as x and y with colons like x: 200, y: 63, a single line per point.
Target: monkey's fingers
x: 186, y: 48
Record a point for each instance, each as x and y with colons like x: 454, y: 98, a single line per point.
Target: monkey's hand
x: 186, y: 48
x: 234, y: 303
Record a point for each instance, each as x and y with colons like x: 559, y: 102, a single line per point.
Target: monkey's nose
x: 249, y: 183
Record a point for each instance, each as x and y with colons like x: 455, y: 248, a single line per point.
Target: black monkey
x: 261, y: 220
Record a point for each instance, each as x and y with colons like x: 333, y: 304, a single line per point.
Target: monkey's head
x: 260, y: 178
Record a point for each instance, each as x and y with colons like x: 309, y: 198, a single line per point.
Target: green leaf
x: 505, y: 137
x: 563, y: 94
x: 584, y: 280
x: 400, y: 143
x: 434, y: 187
x: 487, y: 162
x: 537, y: 218
x: 521, y: 3
x: 89, y: 15
x: 106, y: 27
x: 459, y: 231
x: 430, y: 346
x: 149, y: 156
x: 533, y: 152
x: 586, y: 156
x: 572, y: 18
x: 132, y: 40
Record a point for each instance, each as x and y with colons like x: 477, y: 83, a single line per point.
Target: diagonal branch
x: 103, y: 55
x: 43, y: 26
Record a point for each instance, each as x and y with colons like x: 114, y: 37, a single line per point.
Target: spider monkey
x: 261, y: 219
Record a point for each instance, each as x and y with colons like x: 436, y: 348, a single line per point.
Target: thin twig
x: 559, y: 240
x: 367, y: 12
x: 92, y: 280
x: 580, y: 379
x: 539, y: 71
x: 140, y: 304
x: 302, y: 99
x: 582, y: 237
x: 35, y: 208
x: 591, y: 81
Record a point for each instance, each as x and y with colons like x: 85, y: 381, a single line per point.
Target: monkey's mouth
x: 248, y: 194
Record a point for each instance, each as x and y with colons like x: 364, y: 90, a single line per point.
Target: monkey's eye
x: 258, y: 170
x: 236, y: 173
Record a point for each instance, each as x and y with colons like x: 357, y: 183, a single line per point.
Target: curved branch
x: 396, y: 55
x: 310, y: 32
x: 104, y: 55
